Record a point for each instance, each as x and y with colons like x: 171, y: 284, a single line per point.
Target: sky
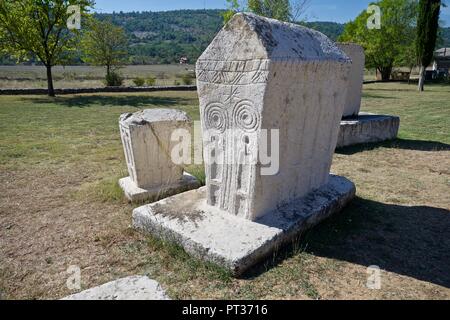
x: 319, y: 10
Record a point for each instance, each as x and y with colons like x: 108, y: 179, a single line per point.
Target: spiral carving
x: 215, y: 117
x: 246, y: 117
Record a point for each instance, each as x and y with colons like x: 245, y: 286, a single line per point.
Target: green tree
x: 408, y: 58
x: 233, y: 7
x: 283, y: 10
x: 385, y: 47
x: 276, y: 9
x: 105, y: 44
x: 38, y: 28
x: 427, y: 30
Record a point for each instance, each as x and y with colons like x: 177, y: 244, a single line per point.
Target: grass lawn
x: 20, y: 76
x: 60, y: 205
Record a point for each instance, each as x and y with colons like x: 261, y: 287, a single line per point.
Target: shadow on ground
x: 412, y: 86
x: 376, y: 96
x: 418, y: 145
x: 137, y: 101
x: 409, y: 89
x: 410, y: 241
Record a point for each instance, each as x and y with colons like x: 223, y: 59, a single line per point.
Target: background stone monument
x: 359, y: 127
x: 146, y: 139
x: 356, y: 78
x: 260, y: 75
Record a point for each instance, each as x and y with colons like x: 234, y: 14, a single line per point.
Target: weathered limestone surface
x: 260, y: 74
x: 257, y: 74
x: 368, y: 128
x: 136, y: 194
x: 232, y: 242
x: 131, y: 288
x: 356, y: 78
x: 146, y: 138
x: 356, y: 127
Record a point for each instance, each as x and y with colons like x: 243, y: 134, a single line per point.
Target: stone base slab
x: 131, y: 288
x: 136, y: 194
x: 367, y: 128
x: 231, y: 242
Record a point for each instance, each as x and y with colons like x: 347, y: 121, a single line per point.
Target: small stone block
x: 146, y: 138
x: 237, y: 244
x: 131, y: 288
x: 368, y: 128
x: 136, y: 194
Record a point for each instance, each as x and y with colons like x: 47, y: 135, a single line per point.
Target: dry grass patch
x: 60, y: 205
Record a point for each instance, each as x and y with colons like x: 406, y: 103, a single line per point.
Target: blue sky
x: 322, y: 10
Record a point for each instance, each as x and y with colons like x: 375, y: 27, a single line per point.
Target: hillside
x: 445, y: 38
x: 332, y: 29
x: 165, y: 37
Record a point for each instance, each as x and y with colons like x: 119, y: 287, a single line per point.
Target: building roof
x: 442, y: 53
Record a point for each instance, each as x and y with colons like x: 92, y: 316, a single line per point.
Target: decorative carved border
x: 236, y: 72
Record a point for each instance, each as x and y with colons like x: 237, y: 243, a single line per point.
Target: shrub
x: 162, y: 75
x: 113, y: 79
x: 151, y: 81
x: 139, y: 82
x: 176, y: 83
x: 187, y: 79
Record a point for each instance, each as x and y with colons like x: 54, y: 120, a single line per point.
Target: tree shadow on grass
x: 136, y: 101
x: 418, y: 145
x: 412, y: 87
x: 410, y: 241
x: 376, y: 96
x: 391, y: 89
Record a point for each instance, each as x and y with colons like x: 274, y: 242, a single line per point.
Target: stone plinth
x: 367, y: 128
x: 148, y: 145
x: 136, y: 194
x: 131, y: 288
x: 234, y: 243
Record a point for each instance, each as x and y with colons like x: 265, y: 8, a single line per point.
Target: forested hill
x: 165, y: 37
x: 332, y: 29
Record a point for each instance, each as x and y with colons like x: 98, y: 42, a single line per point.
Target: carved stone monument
x: 357, y: 127
x: 260, y: 78
x: 356, y: 78
x: 146, y: 139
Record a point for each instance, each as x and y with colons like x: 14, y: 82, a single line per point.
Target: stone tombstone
x: 260, y: 75
x: 360, y: 127
x: 268, y: 90
x: 147, y: 142
x: 356, y: 78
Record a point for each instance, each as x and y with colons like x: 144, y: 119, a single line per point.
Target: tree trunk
x: 422, y: 78
x: 51, y: 90
x: 410, y: 72
x: 385, y: 73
